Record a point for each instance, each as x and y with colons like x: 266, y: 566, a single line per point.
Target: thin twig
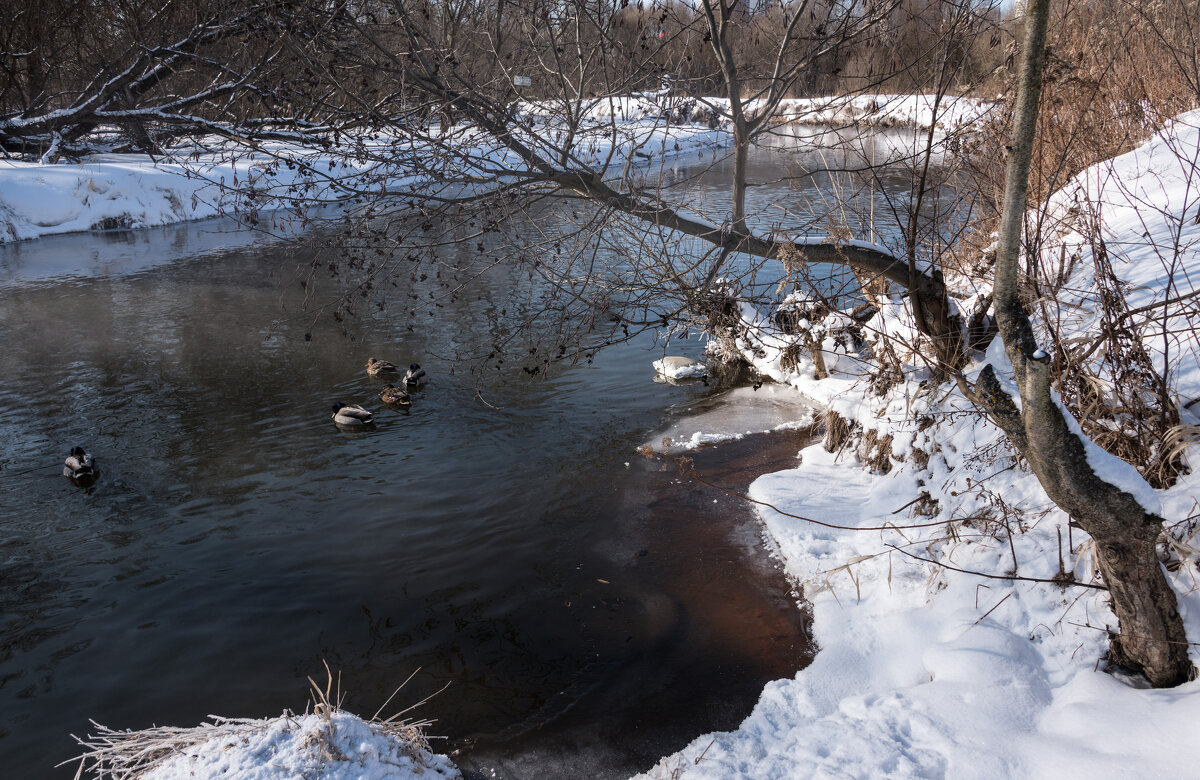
x: 993, y: 609
x: 997, y: 576
x: 888, y: 527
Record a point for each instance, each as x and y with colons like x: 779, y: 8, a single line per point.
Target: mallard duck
x: 415, y: 376
x: 351, y: 415
x: 377, y: 367
x: 79, y: 466
x: 395, y: 396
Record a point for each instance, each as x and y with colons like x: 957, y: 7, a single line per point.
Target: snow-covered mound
x: 336, y: 746
x: 740, y: 412
x: 1147, y: 203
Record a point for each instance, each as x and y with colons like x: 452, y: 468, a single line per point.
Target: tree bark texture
x: 1152, y: 638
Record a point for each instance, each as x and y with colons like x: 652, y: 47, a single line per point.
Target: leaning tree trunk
x: 1152, y: 637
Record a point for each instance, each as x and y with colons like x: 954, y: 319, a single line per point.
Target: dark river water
x: 585, y: 611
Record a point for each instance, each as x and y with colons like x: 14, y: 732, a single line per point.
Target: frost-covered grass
x: 933, y: 661
x: 333, y: 746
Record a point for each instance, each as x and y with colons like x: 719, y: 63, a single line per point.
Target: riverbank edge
x: 132, y: 191
x: 930, y: 660
x: 696, y: 529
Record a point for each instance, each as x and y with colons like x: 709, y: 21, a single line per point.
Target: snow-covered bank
x: 918, y: 111
x: 921, y: 111
x: 108, y: 191
x: 952, y: 669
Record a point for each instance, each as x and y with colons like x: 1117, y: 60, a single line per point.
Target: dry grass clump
x: 839, y: 431
x: 1123, y: 401
x: 875, y: 451
x: 133, y: 754
x: 125, y: 755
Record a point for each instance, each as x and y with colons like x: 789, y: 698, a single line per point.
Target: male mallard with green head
x: 80, y: 467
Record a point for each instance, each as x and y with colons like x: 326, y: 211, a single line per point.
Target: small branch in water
x: 700, y: 757
x: 479, y: 398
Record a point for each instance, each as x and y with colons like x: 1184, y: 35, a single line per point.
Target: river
x: 580, y: 611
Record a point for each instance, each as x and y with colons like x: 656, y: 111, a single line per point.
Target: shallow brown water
x: 684, y: 600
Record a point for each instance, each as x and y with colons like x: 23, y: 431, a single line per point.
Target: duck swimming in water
x: 377, y: 367
x: 415, y: 376
x: 395, y: 396
x: 351, y: 415
x: 80, y: 467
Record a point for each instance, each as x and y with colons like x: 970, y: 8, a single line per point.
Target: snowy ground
x: 927, y: 672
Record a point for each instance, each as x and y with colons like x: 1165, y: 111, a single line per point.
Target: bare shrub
x: 875, y: 451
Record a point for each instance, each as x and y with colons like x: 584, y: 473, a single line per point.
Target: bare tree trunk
x: 1152, y: 638
x: 927, y: 291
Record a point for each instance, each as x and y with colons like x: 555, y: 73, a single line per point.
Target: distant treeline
x: 239, y: 66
